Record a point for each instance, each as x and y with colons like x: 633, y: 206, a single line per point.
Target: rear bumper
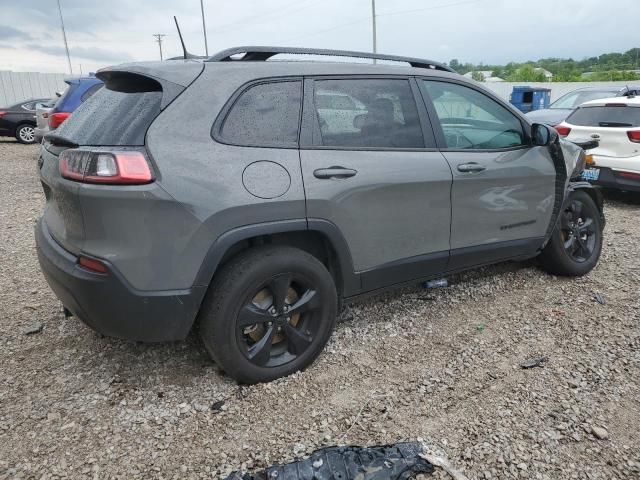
x: 618, y: 179
x: 39, y: 133
x: 108, y: 305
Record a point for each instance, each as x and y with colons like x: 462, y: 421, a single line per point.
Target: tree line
x: 606, y: 67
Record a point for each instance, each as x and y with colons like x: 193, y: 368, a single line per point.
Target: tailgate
x: 614, y: 142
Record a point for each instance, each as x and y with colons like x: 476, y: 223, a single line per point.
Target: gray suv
x: 255, y: 196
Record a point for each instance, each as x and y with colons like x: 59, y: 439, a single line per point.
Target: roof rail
x: 264, y: 53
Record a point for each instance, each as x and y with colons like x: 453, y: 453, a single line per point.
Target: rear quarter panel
x: 206, y: 177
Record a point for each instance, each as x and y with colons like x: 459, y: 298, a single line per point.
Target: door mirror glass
x: 541, y: 134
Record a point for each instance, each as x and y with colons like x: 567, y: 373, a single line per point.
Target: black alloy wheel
x: 268, y: 313
x: 278, y: 323
x: 578, y: 231
x: 576, y: 243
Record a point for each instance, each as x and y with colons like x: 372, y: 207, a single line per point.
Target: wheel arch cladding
x: 320, y: 238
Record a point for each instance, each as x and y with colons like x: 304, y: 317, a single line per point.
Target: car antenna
x: 184, y: 49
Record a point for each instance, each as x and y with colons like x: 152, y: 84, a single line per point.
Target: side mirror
x: 543, y: 135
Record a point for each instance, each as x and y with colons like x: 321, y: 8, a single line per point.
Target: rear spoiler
x: 169, y: 77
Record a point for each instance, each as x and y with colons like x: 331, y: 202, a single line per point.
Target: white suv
x: 615, y: 123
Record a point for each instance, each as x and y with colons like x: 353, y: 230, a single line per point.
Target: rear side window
x: 366, y: 113
x: 112, y: 118
x: 265, y: 115
x: 606, y: 116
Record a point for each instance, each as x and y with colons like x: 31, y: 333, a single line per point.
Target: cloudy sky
x: 107, y: 32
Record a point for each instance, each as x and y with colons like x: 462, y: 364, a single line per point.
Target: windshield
x: 608, y: 116
x: 575, y: 99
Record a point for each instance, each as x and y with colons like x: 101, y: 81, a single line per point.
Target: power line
x: 267, y: 17
x: 159, y: 37
x: 319, y: 32
x: 433, y: 7
x: 377, y: 15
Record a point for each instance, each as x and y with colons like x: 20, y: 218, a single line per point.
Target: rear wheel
x: 575, y: 245
x: 26, y: 134
x: 268, y: 313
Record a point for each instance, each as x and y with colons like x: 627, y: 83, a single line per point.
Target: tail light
x: 634, y: 136
x: 562, y: 130
x: 56, y: 119
x: 127, y: 167
x: 2, y: 113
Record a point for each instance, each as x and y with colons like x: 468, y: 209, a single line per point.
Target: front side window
x: 266, y: 114
x: 472, y: 120
x: 366, y: 113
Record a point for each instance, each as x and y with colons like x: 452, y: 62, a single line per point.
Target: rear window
x: 618, y: 116
x: 112, y: 118
x: 90, y: 91
x: 574, y: 99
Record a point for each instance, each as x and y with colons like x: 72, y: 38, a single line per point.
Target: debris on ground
x: 600, y: 298
x: 33, y: 329
x: 401, y: 461
x: 534, y: 362
x: 437, y: 283
x: 600, y: 433
x: 444, y: 464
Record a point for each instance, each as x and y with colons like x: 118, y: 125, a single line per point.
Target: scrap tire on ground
x: 576, y: 243
x: 294, y: 329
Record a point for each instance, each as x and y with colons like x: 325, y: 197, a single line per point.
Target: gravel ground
x: 438, y: 365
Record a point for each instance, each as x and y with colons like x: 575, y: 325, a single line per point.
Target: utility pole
x: 159, y: 40
x: 204, y: 29
x: 373, y: 24
x: 64, y: 37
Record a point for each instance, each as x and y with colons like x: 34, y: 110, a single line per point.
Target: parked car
x: 566, y: 104
x: 220, y: 190
x: 19, y: 120
x: 42, y: 117
x: 79, y: 90
x: 615, y: 124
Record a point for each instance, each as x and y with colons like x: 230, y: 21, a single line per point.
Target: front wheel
x: 268, y: 313
x: 576, y: 243
x: 26, y: 134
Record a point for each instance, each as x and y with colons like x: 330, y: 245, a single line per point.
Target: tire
x: 292, y: 299
x: 576, y: 243
x: 25, y: 133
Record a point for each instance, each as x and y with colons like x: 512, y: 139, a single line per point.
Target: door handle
x: 471, y: 167
x: 334, y: 172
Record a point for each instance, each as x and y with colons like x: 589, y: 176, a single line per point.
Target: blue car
x: 78, y: 90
